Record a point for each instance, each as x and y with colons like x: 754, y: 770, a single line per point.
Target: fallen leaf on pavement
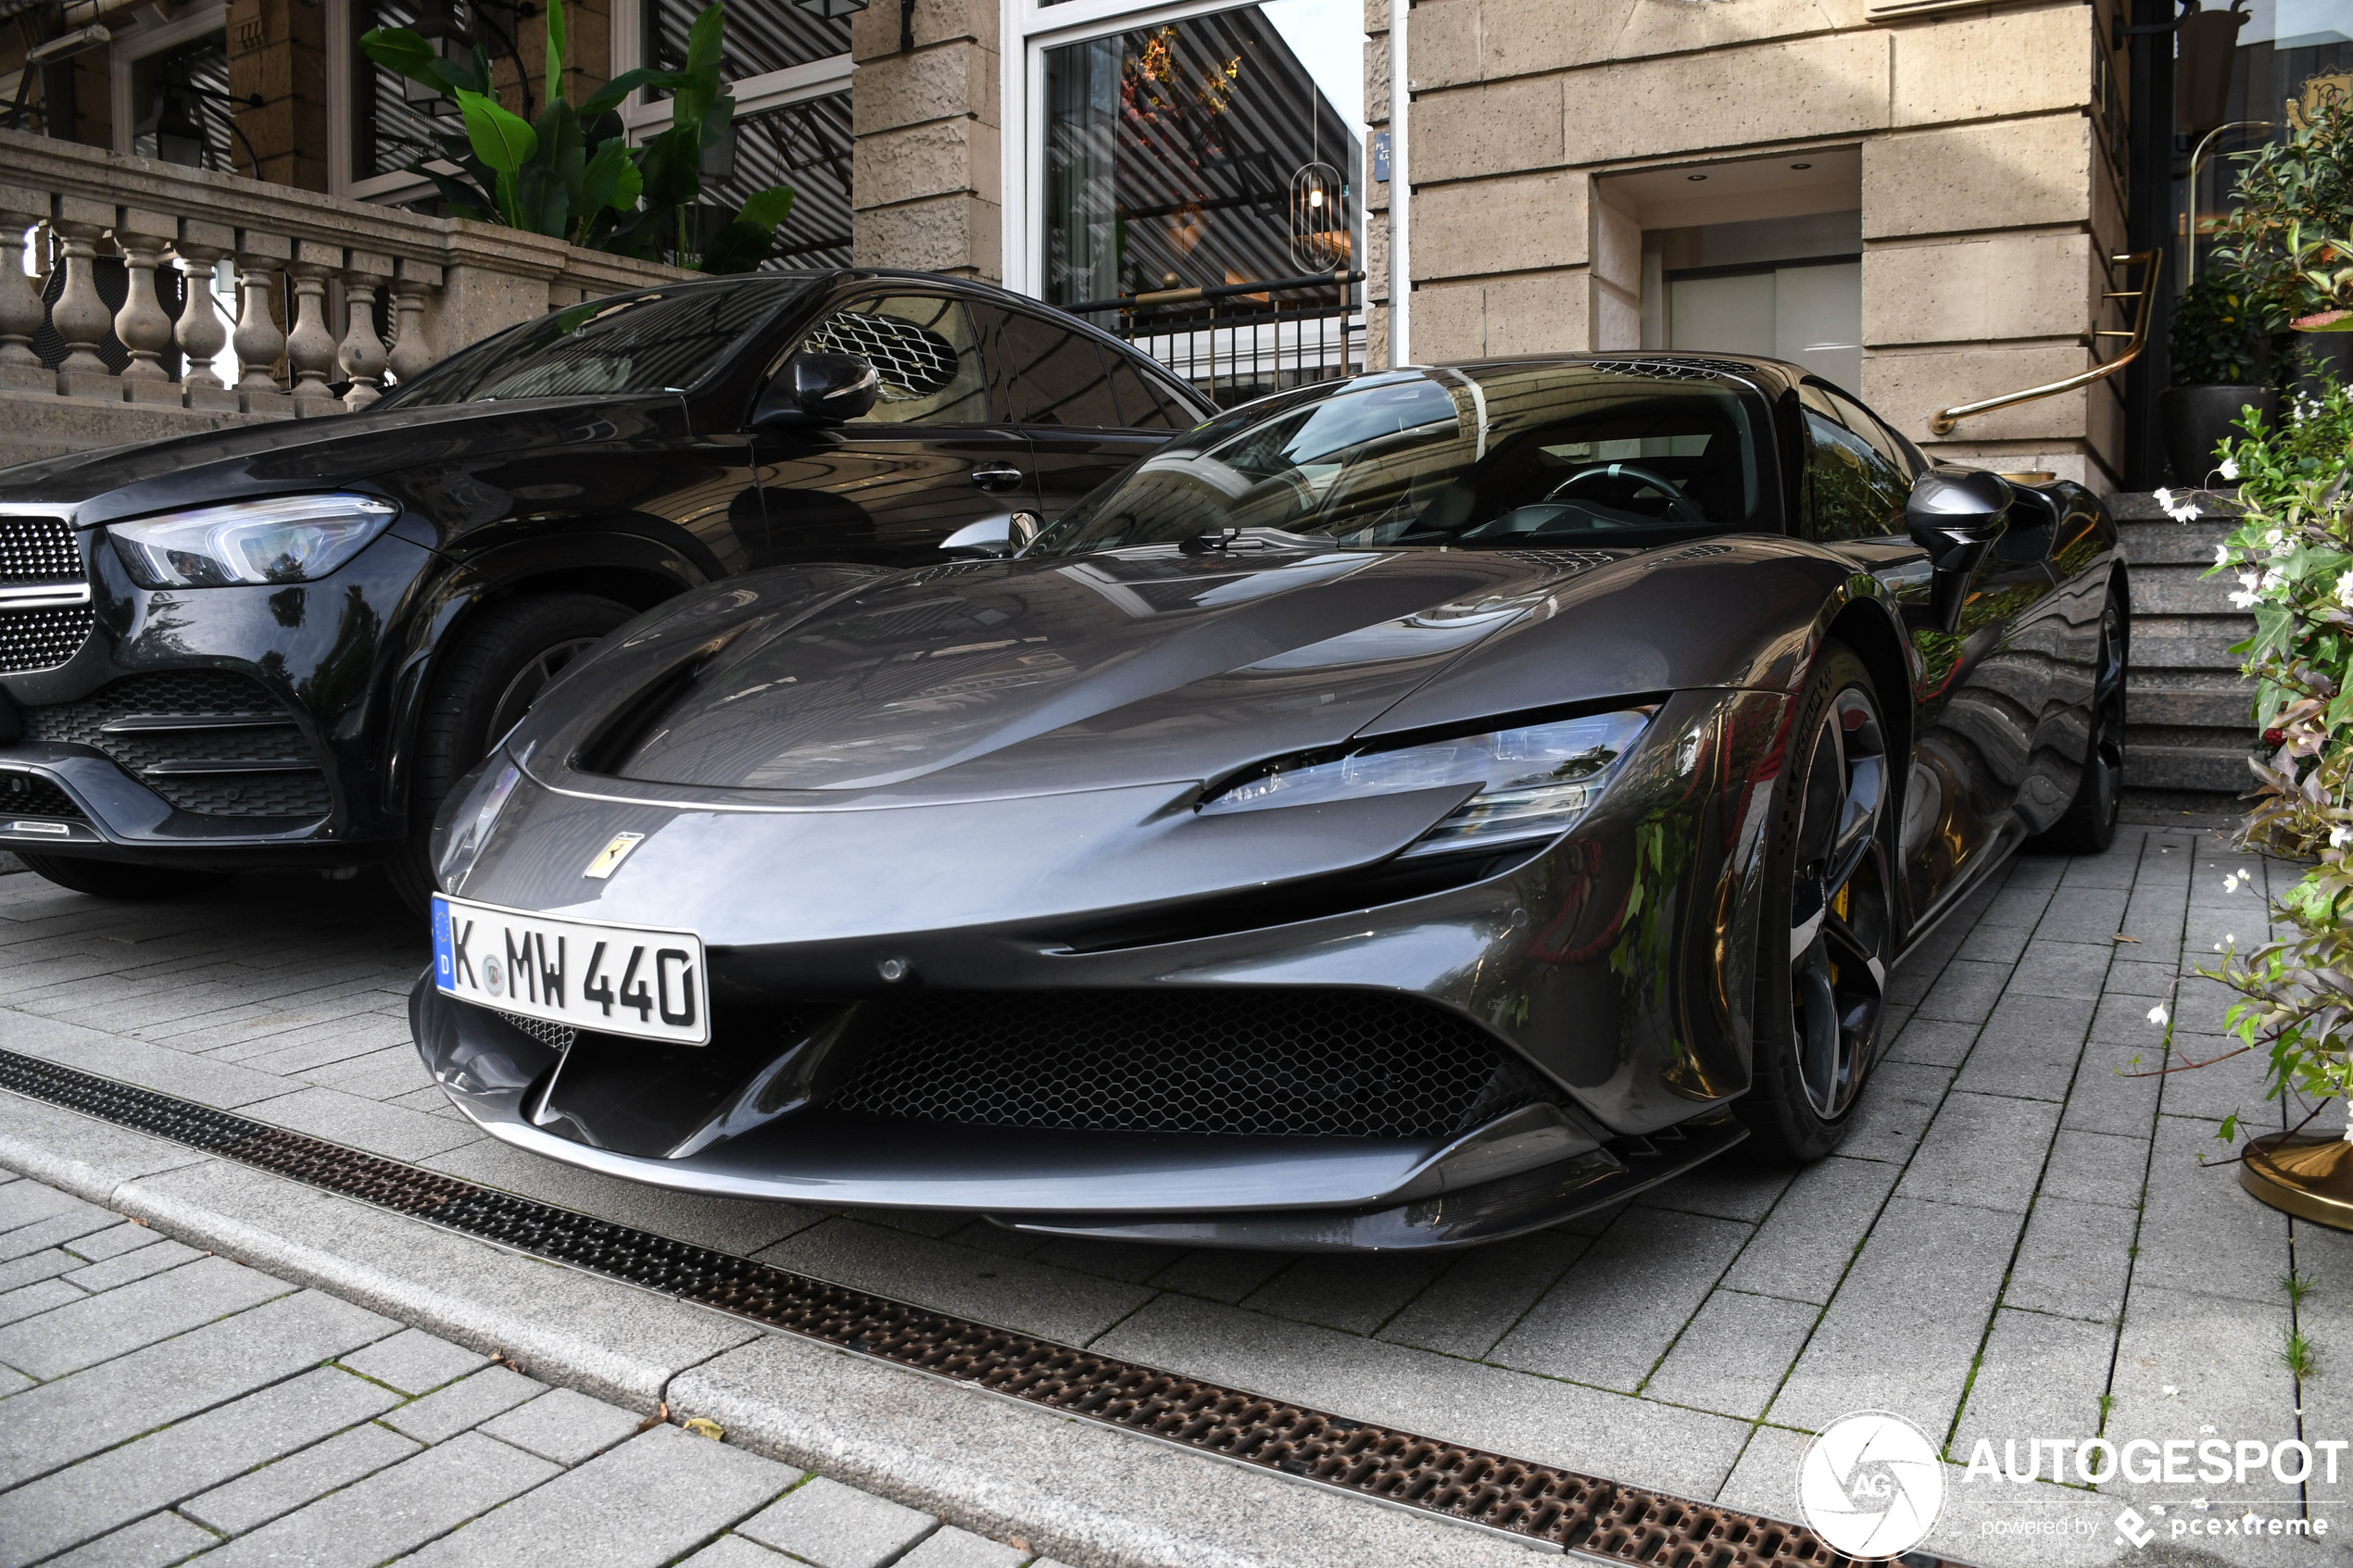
x: 703, y: 1426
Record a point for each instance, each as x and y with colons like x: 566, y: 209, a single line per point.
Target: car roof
x: 1774, y: 375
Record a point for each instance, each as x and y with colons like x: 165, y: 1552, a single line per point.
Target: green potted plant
x: 2222, y: 367
x: 2291, y: 194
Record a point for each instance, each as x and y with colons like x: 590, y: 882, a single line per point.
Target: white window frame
x: 1028, y: 29
x: 152, y: 37
x: 769, y: 90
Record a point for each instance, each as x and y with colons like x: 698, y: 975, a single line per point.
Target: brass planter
x: 2309, y: 1177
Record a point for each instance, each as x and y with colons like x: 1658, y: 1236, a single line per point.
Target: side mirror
x: 1955, y: 515
x: 992, y: 537
x: 817, y: 389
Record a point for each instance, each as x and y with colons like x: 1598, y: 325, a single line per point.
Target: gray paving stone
x: 2040, y: 1377
x: 952, y: 1547
x: 1220, y: 1275
x: 2136, y: 977
x: 255, y: 1498
x: 1732, y: 1357
x: 33, y: 1300
x: 735, y: 1551
x: 1015, y: 1292
x: 1991, y: 941
x: 2088, y: 1167
x: 101, y: 1327
x: 1805, y: 1245
x: 2201, y: 1231
x: 78, y: 1154
x: 832, y: 1525
x: 128, y: 1237
x: 1898, y: 1099
x: 1357, y: 1292
x: 565, y: 1426
x: 415, y: 1362
x: 1483, y: 1292
x: 49, y: 1263
x: 1983, y: 1149
x: 157, y: 1541
x: 393, y: 1070
x: 640, y: 1505
x: 466, y: 1403
x: 1132, y: 1262
x: 2029, y: 1048
x: 219, y: 1084
x: 2098, y: 910
x: 125, y: 1267
x: 73, y: 1505
x: 58, y: 1422
x: 2229, y: 1082
x: 395, y: 1511
x: 2074, y: 1260
x: 2070, y: 970
x: 1901, y: 1331
x: 1620, y: 1306
x: 1964, y: 992
x: 1740, y: 1186
x: 2220, y: 1356
x: 24, y: 1203
x: 363, y: 1124
x: 2105, y: 1099
x: 1935, y: 1042
x: 58, y: 1230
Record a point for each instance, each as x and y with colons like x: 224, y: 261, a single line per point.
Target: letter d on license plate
x: 613, y: 979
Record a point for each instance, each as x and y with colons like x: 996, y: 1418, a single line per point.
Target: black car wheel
x: 489, y: 682
x: 113, y: 879
x: 2089, y: 825
x: 1827, y: 936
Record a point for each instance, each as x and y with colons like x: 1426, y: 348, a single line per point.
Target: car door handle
x: 997, y: 476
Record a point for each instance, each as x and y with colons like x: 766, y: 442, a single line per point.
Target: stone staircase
x: 2188, y: 729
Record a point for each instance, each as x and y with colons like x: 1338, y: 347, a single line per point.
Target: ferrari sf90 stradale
x: 1402, y: 812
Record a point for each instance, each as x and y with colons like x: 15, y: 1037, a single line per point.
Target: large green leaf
x: 611, y: 181
x: 556, y: 50
x: 738, y: 247
x: 463, y: 199
x: 611, y: 93
x: 700, y: 91
x: 404, y: 53
x: 767, y: 208
x: 501, y: 139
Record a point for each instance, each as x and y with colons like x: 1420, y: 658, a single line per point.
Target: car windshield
x: 663, y: 340
x: 1638, y: 453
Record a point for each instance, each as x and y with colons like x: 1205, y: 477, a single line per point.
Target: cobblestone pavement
x: 162, y: 1402
x: 2018, y: 1241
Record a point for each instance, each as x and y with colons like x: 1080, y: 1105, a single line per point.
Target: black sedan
x: 1402, y: 812
x: 285, y: 643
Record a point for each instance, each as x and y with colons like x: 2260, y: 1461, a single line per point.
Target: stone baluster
x: 143, y: 324
x: 79, y: 316
x: 21, y: 309
x: 259, y: 340
x: 412, y: 355
x: 310, y: 347
x: 200, y: 331
x: 362, y: 355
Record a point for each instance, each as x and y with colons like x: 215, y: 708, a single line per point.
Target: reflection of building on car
x: 283, y: 645
x: 1399, y: 813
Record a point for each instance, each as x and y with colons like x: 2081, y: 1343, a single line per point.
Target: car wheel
x: 488, y: 682
x: 113, y: 879
x: 2089, y: 825
x: 1827, y: 935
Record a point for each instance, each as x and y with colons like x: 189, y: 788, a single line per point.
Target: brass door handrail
x: 1943, y: 419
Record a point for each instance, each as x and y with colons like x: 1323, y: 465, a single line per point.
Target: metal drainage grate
x: 1529, y: 1501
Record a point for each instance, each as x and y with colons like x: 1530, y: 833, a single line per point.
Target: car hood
x: 342, y: 449
x: 1014, y: 677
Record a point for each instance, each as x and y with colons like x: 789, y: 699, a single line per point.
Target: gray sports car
x: 1403, y: 812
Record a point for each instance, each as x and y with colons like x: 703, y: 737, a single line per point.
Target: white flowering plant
x: 2291, y: 557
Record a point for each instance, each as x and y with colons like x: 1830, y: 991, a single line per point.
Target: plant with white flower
x: 2183, y: 510
x: 2158, y: 1016
x: 2230, y: 468
x: 2222, y: 554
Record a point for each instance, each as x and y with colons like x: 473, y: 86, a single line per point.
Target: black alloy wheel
x: 1828, y: 933
x: 487, y: 683
x: 2089, y: 825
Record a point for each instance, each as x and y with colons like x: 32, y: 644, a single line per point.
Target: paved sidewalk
x: 2018, y: 1241
x: 160, y: 1404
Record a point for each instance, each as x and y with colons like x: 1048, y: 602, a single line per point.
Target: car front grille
x: 1300, y: 1063
x: 30, y: 795
x: 208, y: 741
x: 38, y: 552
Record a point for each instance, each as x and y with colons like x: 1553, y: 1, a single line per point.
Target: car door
x: 1979, y: 694
x: 929, y: 459
x: 1086, y: 412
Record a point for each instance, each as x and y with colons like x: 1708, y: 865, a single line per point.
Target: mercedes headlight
x: 285, y: 539
x: 468, y: 826
x: 1533, y: 782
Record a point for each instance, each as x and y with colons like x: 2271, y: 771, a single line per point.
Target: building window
x: 806, y: 146
x: 180, y: 110
x: 758, y: 40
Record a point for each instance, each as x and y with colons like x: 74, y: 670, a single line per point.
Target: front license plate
x: 613, y: 979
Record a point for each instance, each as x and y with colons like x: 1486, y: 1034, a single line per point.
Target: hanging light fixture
x: 437, y: 25
x: 1318, y: 218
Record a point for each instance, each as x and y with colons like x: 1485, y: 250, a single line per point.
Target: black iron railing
x: 1241, y: 341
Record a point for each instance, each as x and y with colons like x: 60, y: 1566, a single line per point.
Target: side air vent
x: 209, y: 741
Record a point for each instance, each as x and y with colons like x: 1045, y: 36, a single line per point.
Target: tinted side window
x: 1142, y: 405
x: 1856, y: 481
x: 1050, y: 374
x: 926, y: 351
x: 1865, y: 423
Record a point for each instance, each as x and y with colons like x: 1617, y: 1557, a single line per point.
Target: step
x: 2227, y: 713
x: 2175, y: 645
x: 2140, y: 505
x: 2181, y: 590
x: 2181, y: 766
x: 2156, y: 544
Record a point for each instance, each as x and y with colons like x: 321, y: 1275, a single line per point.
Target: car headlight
x: 468, y: 826
x: 1533, y: 782
x: 285, y: 539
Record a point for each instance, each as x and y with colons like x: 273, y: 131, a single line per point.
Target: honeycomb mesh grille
x: 38, y: 550
x: 912, y: 362
x: 1300, y: 1063
x: 30, y: 795
x: 43, y: 639
x: 285, y: 780
x: 555, y: 1037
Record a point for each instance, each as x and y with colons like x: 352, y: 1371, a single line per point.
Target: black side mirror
x: 992, y: 537
x: 818, y: 389
x: 1956, y: 515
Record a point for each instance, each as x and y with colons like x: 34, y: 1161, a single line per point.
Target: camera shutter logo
x: 1870, y: 1485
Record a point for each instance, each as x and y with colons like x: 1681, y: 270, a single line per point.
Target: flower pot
x: 2199, y: 418
x: 2308, y: 1178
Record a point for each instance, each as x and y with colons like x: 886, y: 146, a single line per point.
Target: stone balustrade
x: 309, y: 270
